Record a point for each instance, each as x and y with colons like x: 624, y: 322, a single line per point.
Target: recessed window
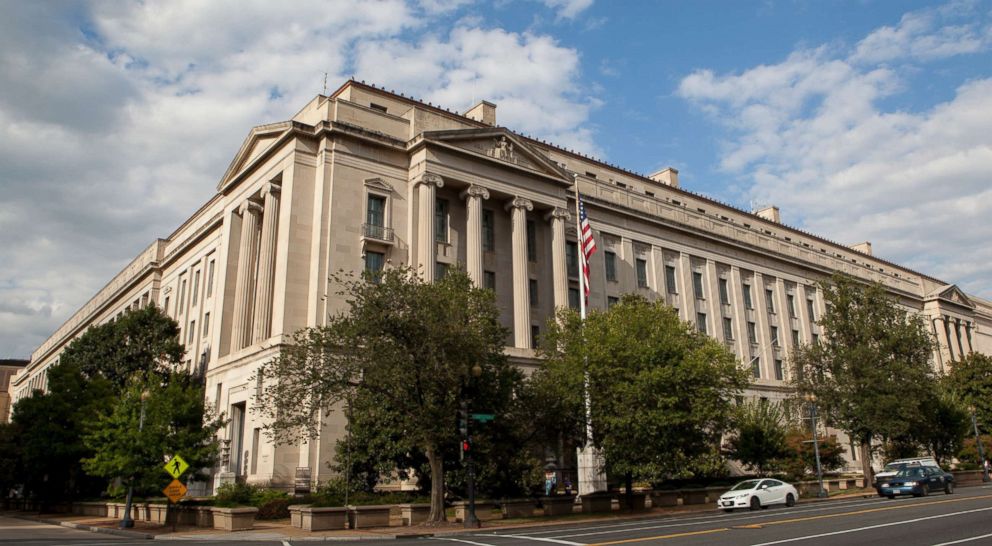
x: 670, y: 280
x: 756, y: 367
x: 488, y: 230
x: 196, y: 286
x: 611, y: 301
x: 375, y: 211
x: 441, y: 220
x: 642, y: 273
x: 810, y: 308
x: 728, y: 329
x: 531, y: 241
x: 532, y: 287
x: 182, y: 295
x: 791, y: 301
x: 535, y: 335
x: 816, y: 339
x: 489, y: 279
x: 206, y: 324
x: 773, y: 330
x: 795, y: 338
x: 697, y: 285
x: 440, y: 270
x: 374, y: 262
x: 779, y: 372
x: 621, y: 185
x: 649, y: 193
x: 191, y: 332
x: 165, y: 306
x: 378, y: 107
x: 701, y: 322
x: 572, y: 258
x: 573, y: 298
x: 746, y: 291
x: 590, y: 174
x: 770, y: 300
x: 210, y: 278
x: 724, y: 292
x: 611, y: 265
x: 752, y: 333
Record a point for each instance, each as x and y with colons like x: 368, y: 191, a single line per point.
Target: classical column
x: 967, y: 332
x: 262, y: 326
x: 473, y: 246
x: 426, y: 238
x: 245, y: 283
x: 947, y: 335
x: 559, y: 260
x: 521, y: 280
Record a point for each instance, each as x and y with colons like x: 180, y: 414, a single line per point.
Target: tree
x: 800, y: 456
x: 660, y: 391
x: 758, y: 437
x: 410, y: 343
x: 10, y: 458
x: 971, y: 380
x: 871, y: 372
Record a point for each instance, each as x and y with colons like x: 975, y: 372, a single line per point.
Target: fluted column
x: 559, y: 261
x: 521, y: 280
x: 245, y: 282
x: 473, y: 247
x: 262, y: 325
x: 426, y: 238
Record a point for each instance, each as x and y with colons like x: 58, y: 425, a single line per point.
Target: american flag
x: 588, y: 244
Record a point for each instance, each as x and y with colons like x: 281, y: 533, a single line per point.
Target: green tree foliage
x: 409, y: 343
x: 661, y: 392
x: 971, y: 380
x: 10, y: 457
x: 871, y: 372
x: 968, y: 457
x: 758, y: 435
x: 945, y: 425
x: 799, y: 460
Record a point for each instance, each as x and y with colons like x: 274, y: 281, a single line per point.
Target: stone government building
x: 365, y: 178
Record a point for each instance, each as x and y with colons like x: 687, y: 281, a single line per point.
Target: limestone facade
x: 366, y: 178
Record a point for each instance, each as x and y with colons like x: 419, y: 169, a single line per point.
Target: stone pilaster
x: 518, y: 208
x: 426, y: 237
x: 473, y: 246
x: 245, y: 283
x: 559, y: 261
x: 262, y: 324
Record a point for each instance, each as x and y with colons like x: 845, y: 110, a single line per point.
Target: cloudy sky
x: 862, y: 120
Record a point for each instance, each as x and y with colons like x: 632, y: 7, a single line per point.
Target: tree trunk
x: 437, y: 487
x: 629, y: 482
x: 865, y: 449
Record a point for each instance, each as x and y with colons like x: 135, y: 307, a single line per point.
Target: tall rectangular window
x: 642, y: 273
x: 811, y: 308
x: 728, y: 328
x: 756, y: 367
x: 670, y: 280
x: 374, y: 261
x: 165, y: 306
x: 746, y: 291
x: 572, y: 258
x: 182, y: 296
x: 196, y: 286
x: 489, y: 279
x: 210, y: 278
x: 531, y: 241
x: 779, y: 372
x: 206, y: 324
x: 816, y: 339
x: 697, y: 285
x: 532, y: 287
x: 192, y: 332
x: 724, y: 292
x: 488, y: 230
x: 573, y: 298
x: 535, y: 335
x: 440, y: 270
x: 770, y: 300
x: 773, y: 330
x: 795, y: 338
x: 611, y: 265
x: 375, y: 213
x: 752, y: 334
x: 441, y: 220
x: 790, y: 300
x: 701, y: 322
x: 611, y: 301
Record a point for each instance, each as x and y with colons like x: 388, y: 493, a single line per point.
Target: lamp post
x: 471, y: 521
x: 978, y: 443
x: 127, y: 522
x: 811, y: 398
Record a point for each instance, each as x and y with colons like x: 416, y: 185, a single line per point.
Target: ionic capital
x: 520, y: 203
x: 474, y: 191
x: 271, y: 188
x: 430, y: 178
x: 249, y: 206
x: 558, y: 213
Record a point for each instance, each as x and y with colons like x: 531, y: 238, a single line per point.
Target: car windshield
x: 916, y: 472
x: 750, y: 484
x: 894, y: 467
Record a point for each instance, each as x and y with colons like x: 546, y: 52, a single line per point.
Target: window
x: 532, y: 287
x: 489, y: 280
x: 791, y: 302
x: 196, y: 286
x: 572, y: 258
x: 779, y: 373
x: 375, y: 212
x: 756, y: 367
x: 535, y: 335
x: 611, y: 266
x: 210, y: 278
x: 642, y: 273
x: 701, y: 322
x: 206, y: 324
x: 795, y: 338
x: 165, y: 306
x: 816, y: 339
x: 746, y: 290
x: 531, y: 241
x: 773, y: 330
x: 374, y: 261
x: 378, y: 107
x: 728, y: 328
x: 697, y: 285
x: 441, y: 220
x: 770, y: 300
x: 182, y: 295
x: 611, y: 301
x: 488, y: 230
x: 752, y: 334
x: 670, y: 279
x: 724, y: 292
x: 810, y: 308
x: 440, y: 270
x: 192, y: 332
x: 573, y: 298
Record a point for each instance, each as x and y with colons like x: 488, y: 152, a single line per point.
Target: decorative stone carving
x: 503, y: 149
x: 430, y: 179
x: 474, y: 191
x: 520, y: 203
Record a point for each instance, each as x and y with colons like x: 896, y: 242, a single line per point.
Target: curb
x: 215, y: 538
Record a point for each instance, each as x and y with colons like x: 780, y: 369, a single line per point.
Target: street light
x: 471, y: 521
x: 127, y: 522
x: 811, y: 398
x: 978, y: 442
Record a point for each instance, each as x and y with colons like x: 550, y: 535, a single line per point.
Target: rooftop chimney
x: 864, y: 247
x: 770, y: 213
x: 667, y: 176
x: 485, y: 112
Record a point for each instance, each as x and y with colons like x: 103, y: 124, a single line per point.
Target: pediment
x: 951, y: 293
x: 500, y: 145
x: 255, y: 144
x: 378, y: 184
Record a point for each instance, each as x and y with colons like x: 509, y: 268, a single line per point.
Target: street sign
x: 176, y: 466
x: 483, y: 417
x: 175, y: 491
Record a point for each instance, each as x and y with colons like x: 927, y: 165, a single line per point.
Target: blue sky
x: 862, y: 120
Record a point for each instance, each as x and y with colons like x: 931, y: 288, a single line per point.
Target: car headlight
x: 910, y: 484
x: 885, y: 485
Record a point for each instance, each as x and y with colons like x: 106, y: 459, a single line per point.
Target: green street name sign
x: 483, y: 417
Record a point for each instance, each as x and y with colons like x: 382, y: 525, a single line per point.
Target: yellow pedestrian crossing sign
x: 176, y: 466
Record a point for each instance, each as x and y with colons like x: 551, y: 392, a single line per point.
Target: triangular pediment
x: 259, y: 140
x: 500, y: 145
x: 378, y: 184
x: 951, y: 293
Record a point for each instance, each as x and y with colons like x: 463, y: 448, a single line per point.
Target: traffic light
x: 463, y: 420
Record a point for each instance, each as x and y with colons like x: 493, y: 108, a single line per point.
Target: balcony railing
x: 379, y: 233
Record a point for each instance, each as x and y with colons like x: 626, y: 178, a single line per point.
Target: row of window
x: 194, y: 296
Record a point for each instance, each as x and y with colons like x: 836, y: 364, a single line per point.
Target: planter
x: 558, y: 505
x: 363, y: 517
x: 694, y: 496
x: 204, y: 516
x: 518, y: 508
x: 158, y: 513
x: 310, y: 518
x: 185, y: 515
x: 597, y: 502
x: 96, y: 509
x: 414, y: 514
x: 234, y: 519
x: 664, y: 498
x: 637, y: 498
x: 484, y: 511
x: 967, y: 477
x: 713, y: 494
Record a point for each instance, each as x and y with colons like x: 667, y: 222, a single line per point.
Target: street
x: 962, y: 518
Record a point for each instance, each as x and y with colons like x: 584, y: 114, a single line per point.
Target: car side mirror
x: 764, y: 487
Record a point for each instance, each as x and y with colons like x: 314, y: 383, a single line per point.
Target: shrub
x: 271, y: 504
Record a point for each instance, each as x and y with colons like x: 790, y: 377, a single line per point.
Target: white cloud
x: 810, y: 134
x: 922, y: 35
x: 117, y: 120
x: 568, y: 9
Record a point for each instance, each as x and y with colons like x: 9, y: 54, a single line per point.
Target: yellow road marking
x: 792, y: 520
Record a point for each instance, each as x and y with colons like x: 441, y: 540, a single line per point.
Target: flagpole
x: 579, y: 250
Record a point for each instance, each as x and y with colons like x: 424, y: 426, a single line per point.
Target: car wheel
x: 728, y: 510
x: 948, y: 488
x: 891, y: 496
x: 925, y: 490
x: 790, y: 500
x: 755, y: 503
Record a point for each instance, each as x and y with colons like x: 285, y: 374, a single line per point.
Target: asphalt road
x: 962, y: 518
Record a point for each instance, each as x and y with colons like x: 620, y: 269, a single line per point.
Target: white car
x: 755, y: 494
